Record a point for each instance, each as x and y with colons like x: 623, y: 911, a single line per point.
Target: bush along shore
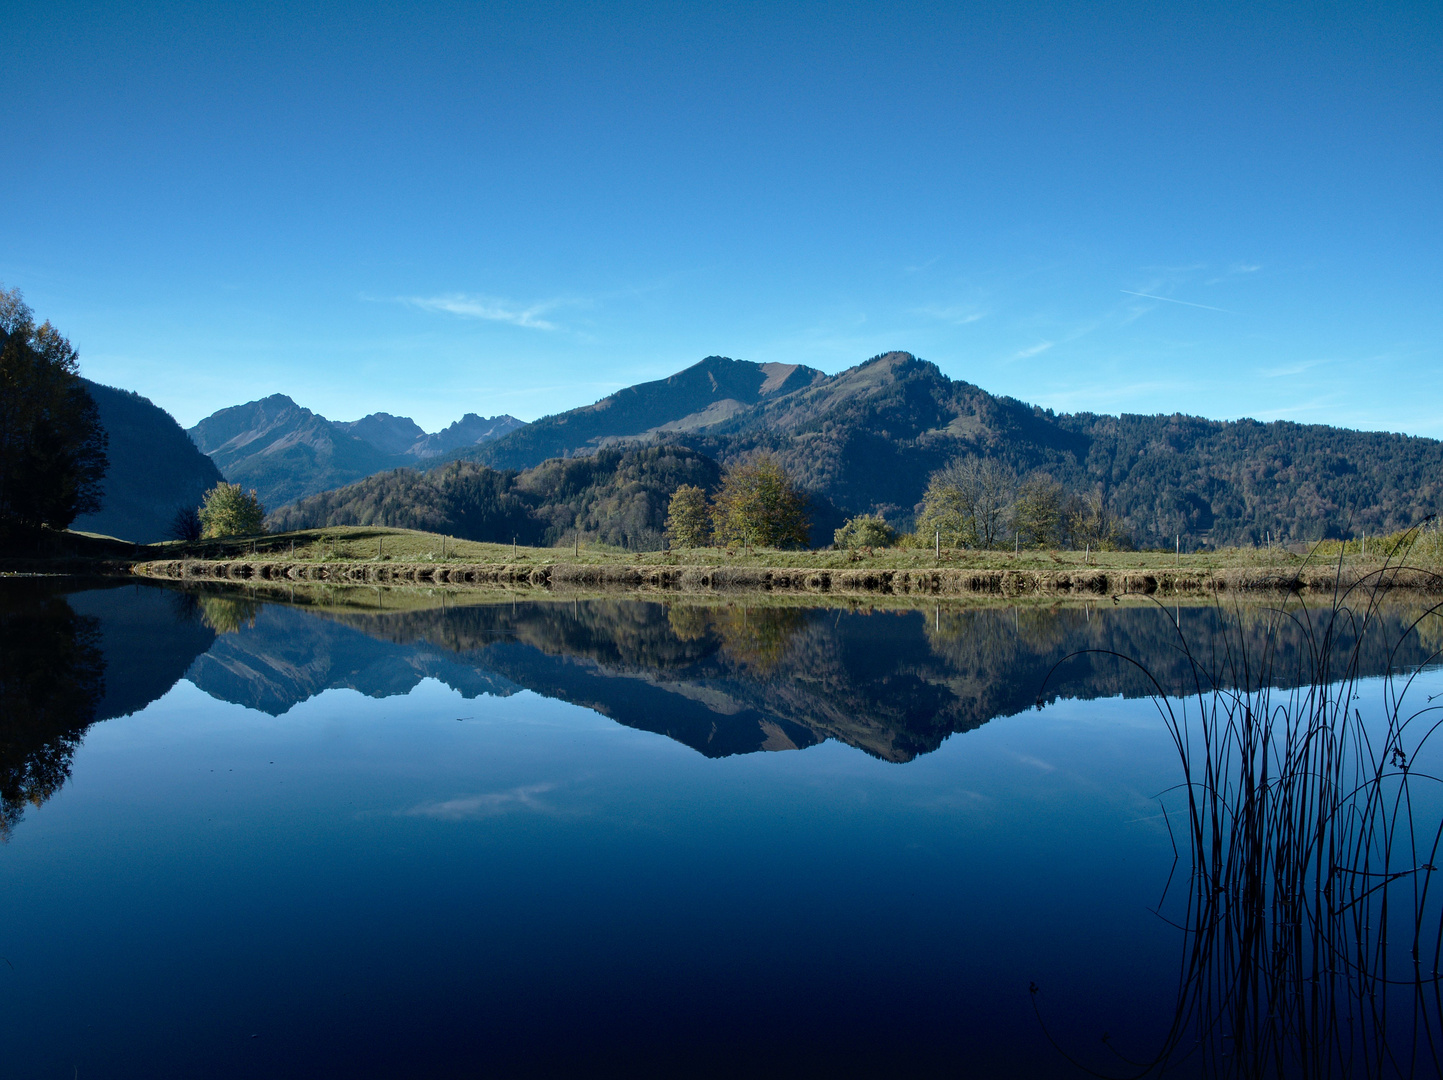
x: 921, y: 581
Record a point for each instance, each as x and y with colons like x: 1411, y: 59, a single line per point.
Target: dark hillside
x: 154, y: 469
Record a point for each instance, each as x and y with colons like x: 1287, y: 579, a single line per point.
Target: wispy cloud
x: 490, y: 308
x: 1170, y: 300
x: 489, y: 804
x: 1245, y: 268
x: 956, y: 313
x: 1292, y: 369
x: 1031, y: 350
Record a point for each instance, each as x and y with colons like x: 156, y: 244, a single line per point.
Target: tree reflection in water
x: 52, y: 677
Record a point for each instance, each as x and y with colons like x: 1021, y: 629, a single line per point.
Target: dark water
x: 247, y: 838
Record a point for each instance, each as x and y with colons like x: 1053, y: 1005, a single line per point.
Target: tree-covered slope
x: 154, y: 470
x: 869, y: 437
x: 618, y: 496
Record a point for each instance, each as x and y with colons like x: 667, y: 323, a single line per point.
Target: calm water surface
x: 425, y: 836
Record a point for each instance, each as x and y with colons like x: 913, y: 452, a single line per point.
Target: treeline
x: 615, y: 496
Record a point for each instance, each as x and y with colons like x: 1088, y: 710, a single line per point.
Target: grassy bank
x: 386, y: 557
x: 384, y: 545
x: 369, y: 556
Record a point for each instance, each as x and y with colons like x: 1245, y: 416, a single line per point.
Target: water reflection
x: 722, y: 678
x: 71, y: 658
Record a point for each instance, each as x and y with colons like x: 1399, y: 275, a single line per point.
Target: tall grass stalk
x: 1311, y: 922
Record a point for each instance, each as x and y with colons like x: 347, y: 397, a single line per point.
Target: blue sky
x: 1226, y: 210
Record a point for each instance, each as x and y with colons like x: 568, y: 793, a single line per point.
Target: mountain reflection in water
x: 723, y: 678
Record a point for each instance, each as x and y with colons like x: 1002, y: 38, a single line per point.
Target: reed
x: 1311, y: 923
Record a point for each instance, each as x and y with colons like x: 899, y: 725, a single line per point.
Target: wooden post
x: 937, y: 539
x: 1086, y: 553
x: 1179, y: 549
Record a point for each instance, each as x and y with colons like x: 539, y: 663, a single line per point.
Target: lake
x: 370, y: 833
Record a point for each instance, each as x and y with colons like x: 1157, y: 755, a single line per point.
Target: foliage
x: 617, y: 497
x: 759, y: 505
x: 865, y: 530
x: 229, y: 511
x: 52, y: 447
x: 966, y: 502
x: 688, y: 518
x: 227, y: 614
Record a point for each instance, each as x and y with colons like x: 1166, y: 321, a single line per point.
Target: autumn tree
x: 966, y: 502
x: 229, y: 511
x: 759, y: 505
x: 52, y: 447
x: 688, y: 518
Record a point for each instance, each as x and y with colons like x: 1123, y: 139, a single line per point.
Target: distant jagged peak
x: 393, y: 434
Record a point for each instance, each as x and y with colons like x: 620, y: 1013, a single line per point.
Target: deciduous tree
x: 759, y: 505
x: 688, y: 518
x: 966, y: 502
x: 1038, y: 512
x: 229, y: 511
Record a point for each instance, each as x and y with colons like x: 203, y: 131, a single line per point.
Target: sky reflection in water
x: 351, y: 844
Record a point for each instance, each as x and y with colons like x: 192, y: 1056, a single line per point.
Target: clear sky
x: 1227, y: 210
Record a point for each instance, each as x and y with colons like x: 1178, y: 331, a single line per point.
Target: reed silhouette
x: 1311, y: 922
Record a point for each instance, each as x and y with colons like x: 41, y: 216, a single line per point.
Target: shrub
x: 865, y: 530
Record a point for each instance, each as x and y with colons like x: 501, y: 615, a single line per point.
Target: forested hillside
x: 867, y: 439
x: 617, y: 496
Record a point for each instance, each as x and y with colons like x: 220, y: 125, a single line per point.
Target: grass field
x: 365, y: 543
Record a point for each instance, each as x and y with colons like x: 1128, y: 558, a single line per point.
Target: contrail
x: 1170, y: 300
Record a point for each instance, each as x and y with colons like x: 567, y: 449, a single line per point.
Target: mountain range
x: 286, y: 452
x: 868, y: 438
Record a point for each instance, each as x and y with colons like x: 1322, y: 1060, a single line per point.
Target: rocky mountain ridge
x: 286, y: 451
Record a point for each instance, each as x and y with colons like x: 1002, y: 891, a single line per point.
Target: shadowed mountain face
x: 154, y: 469
x: 722, y: 680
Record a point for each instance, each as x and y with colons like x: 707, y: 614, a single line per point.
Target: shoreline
x: 712, y: 579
